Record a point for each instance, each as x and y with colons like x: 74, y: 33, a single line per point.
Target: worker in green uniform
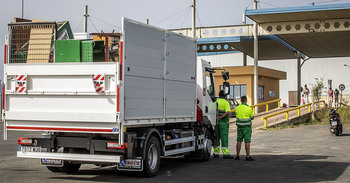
x: 244, y: 115
x: 222, y: 127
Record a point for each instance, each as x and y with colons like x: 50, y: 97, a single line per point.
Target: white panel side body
x: 61, y: 96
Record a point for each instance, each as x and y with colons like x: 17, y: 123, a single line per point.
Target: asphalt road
x: 302, y: 154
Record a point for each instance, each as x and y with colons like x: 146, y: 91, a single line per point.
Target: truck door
x: 210, y: 100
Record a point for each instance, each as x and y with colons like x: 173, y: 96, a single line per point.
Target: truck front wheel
x: 152, y: 154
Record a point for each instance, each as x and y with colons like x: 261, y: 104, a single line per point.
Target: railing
x: 264, y: 103
x: 288, y: 110
x: 267, y: 104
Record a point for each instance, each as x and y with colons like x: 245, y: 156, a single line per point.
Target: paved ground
x: 302, y: 154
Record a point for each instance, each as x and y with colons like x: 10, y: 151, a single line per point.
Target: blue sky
x: 162, y: 13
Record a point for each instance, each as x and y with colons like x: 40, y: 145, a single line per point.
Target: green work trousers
x: 222, y: 135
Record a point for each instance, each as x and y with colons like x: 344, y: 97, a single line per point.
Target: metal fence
x: 31, y: 42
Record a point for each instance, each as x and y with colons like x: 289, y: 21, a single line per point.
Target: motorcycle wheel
x: 336, y: 132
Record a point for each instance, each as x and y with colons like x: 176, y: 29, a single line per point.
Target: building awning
x: 271, y: 47
x: 318, y: 31
x: 300, y: 13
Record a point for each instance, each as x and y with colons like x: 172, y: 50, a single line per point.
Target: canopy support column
x: 256, y: 58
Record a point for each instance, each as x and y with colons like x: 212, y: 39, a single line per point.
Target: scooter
x: 336, y: 126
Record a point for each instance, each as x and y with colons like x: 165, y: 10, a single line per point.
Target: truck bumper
x: 71, y: 157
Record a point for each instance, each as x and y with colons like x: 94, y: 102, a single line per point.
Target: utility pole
x: 256, y: 59
x: 85, y: 17
x: 22, y: 9
x: 194, y: 19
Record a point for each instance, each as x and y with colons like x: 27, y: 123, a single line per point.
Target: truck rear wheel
x: 69, y: 167
x: 152, y: 154
x: 53, y: 169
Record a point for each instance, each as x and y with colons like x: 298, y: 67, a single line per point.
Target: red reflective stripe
x: 121, y: 61
x: 20, y: 78
x: 58, y: 129
x: 25, y: 79
x: 120, y: 74
x: 103, y: 78
x: 5, y: 55
x: 3, y: 97
x: 117, y: 98
x: 20, y: 91
x: 98, y: 90
x: 98, y: 76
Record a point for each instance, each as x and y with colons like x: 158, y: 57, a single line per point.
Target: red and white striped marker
x: 21, y: 84
x: 99, y: 83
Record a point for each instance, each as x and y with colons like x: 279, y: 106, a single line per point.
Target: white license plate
x: 29, y: 149
x: 51, y: 162
x: 135, y: 164
x: 334, y: 123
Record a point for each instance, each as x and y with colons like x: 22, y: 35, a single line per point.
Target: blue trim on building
x: 233, y: 39
x: 236, y: 39
x: 297, y: 9
x: 219, y: 40
x: 216, y: 53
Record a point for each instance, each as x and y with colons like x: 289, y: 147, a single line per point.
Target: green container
x: 92, y: 51
x: 67, y: 50
x: 20, y: 57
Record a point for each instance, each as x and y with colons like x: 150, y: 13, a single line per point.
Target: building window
x: 261, y: 92
x: 237, y: 91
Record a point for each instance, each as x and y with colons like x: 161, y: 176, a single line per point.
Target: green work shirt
x: 223, y: 107
x: 244, y: 115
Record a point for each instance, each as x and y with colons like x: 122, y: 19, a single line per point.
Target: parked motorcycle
x: 336, y: 126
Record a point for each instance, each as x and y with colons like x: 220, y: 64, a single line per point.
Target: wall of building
x: 238, y: 77
x: 237, y: 80
x: 328, y: 68
x: 270, y: 85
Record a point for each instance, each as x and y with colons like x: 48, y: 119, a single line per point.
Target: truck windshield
x: 210, y: 83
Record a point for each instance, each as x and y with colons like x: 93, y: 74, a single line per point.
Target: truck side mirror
x: 226, y: 87
x: 225, y: 75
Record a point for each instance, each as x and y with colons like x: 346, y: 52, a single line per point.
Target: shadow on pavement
x: 266, y: 168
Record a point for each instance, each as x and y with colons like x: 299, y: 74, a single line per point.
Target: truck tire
x: 53, y: 169
x: 202, y: 154
x: 69, y: 167
x: 152, y: 155
x: 207, y: 147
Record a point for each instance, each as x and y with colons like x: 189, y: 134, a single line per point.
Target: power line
x: 179, y: 18
x: 270, y: 4
x: 199, y: 18
x: 105, y: 22
x: 259, y: 5
x: 172, y: 15
x: 249, y: 5
x: 81, y: 20
x: 183, y: 22
x: 93, y: 25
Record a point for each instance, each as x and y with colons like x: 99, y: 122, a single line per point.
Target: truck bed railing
x: 32, y: 42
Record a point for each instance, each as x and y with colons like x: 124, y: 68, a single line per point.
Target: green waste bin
x: 92, y: 51
x: 67, y: 50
